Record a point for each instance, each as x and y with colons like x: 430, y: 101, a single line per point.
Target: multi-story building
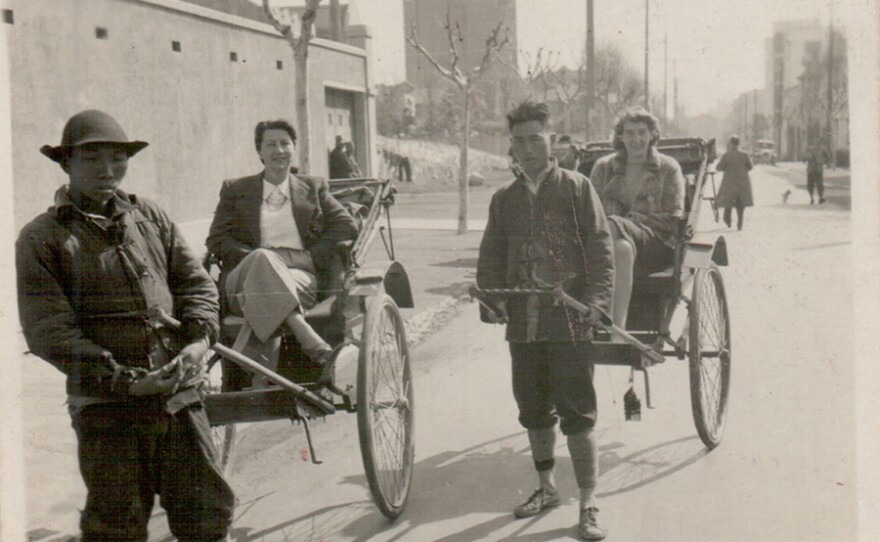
x: 793, y: 55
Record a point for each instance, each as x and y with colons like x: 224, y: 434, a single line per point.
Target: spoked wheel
x: 709, y: 355
x: 385, y: 406
x: 224, y: 435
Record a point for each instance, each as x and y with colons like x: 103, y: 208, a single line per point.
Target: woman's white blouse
x: 277, y: 226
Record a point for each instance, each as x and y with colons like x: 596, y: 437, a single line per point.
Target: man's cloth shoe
x: 587, y: 526
x: 539, y: 500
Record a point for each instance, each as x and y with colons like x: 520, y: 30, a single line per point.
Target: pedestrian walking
x: 816, y: 159
x: 736, y: 186
x: 548, y: 226
x: 90, y: 272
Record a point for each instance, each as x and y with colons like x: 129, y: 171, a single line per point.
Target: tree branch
x: 453, y: 50
x: 283, y: 29
x: 413, y: 40
x: 306, y: 27
x: 493, y: 47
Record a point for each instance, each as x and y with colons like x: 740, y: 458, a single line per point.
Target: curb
x: 421, y: 326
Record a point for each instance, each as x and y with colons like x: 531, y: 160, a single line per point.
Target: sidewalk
x: 797, y: 171
x: 837, y: 181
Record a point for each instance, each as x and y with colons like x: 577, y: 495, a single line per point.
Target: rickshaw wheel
x: 223, y: 435
x: 385, y: 406
x: 709, y: 355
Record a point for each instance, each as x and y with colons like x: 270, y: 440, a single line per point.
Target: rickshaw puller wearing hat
x: 90, y: 270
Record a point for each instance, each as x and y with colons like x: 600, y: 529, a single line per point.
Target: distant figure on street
x: 546, y: 226
x: 92, y: 271
x: 340, y: 166
x: 816, y: 159
x: 355, y: 169
x: 404, y: 169
x: 569, y: 157
x: 736, y: 186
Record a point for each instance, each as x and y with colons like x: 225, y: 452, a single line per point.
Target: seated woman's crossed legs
x: 269, y: 293
x: 624, y: 263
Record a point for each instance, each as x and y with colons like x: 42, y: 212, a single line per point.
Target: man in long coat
x: 736, y: 187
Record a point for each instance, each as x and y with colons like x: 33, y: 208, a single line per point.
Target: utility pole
x: 647, y: 98
x: 675, y: 111
x: 665, y: 74
x: 828, y: 113
x: 591, y: 71
x: 755, y: 113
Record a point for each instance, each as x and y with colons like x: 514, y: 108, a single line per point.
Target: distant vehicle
x: 764, y: 152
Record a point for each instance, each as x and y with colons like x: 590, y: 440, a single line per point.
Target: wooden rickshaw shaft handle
x: 563, y: 298
x: 159, y: 315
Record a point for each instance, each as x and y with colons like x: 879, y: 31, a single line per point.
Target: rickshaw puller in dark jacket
x: 89, y: 271
x: 548, y: 226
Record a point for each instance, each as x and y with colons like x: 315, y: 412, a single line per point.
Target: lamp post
x: 591, y: 71
x: 647, y: 87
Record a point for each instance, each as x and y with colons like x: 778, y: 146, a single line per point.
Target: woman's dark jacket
x: 321, y: 220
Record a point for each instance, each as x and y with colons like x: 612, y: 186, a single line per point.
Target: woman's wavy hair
x: 279, y: 124
x: 635, y: 114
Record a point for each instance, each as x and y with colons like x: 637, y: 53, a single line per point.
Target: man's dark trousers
x: 130, y: 452
x: 554, y: 379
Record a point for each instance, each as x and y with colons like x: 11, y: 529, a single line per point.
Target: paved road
x: 785, y: 470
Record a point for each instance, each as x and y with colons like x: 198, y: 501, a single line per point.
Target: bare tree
x: 464, y: 80
x: 618, y: 85
x: 570, y: 84
x: 300, y: 46
x: 536, y: 66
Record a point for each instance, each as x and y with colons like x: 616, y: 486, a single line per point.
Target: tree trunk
x: 463, y: 165
x: 566, y: 123
x: 335, y: 21
x: 301, y: 91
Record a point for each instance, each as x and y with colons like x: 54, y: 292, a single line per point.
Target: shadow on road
x: 486, y: 479
x: 638, y: 469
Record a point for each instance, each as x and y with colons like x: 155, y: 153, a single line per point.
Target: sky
x: 716, y: 46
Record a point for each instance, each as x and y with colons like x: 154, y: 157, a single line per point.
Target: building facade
x: 191, y: 80
x: 797, y: 73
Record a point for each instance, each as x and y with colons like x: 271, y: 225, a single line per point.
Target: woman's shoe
x: 325, y: 356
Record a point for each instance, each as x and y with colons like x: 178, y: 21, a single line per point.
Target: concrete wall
x: 196, y: 107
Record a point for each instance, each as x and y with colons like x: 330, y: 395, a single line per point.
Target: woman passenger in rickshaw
x: 276, y: 232
x: 643, y: 194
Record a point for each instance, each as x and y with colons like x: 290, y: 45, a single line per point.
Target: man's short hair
x: 529, y: 111
x: 279, y: 124
x: 635, y: 114
x: 734, y: 140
